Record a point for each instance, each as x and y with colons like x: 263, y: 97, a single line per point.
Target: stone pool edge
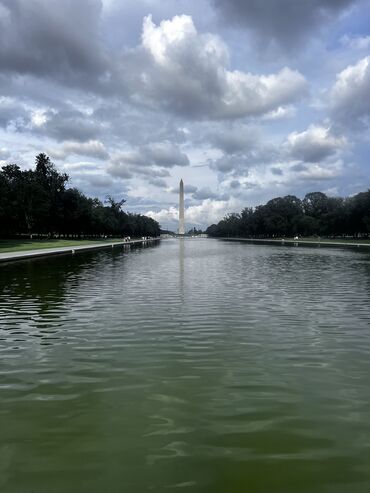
x: 29, y: 254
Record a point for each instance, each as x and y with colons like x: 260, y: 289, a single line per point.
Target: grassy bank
x: 23, y: 245
x: 332, y: 240
x: 305, y: 241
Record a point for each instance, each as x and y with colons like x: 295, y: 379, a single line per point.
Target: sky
x: 246, y: 100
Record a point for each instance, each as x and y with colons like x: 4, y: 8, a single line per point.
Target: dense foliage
x: 39, y: 202
x: 316, y: 214
x: 194, y: 232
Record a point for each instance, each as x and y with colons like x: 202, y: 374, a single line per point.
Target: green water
x: 194, y: 365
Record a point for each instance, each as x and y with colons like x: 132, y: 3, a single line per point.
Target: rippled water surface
x: 194, y: 365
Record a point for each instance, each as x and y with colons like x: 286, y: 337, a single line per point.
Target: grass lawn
x: 25, y: 244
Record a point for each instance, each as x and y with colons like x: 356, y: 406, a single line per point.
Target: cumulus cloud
x: 235, y: 140
x: 349, y: 97
x: 165, y: 154
x: 207, y: 193
x: 69, y: 124
x: 119, y: 170
x: 314, y: 144
x: 91, y: 148
x: 95, y: 182
x: 228, y: 164
x: 240, y: 163
x: 286, y: 22
x: 98, y: 180
x: 186, y: 72
x: 317, y: 172
x: 281, y: 113
x: 317, y: 144
x: 356, y: 42
x: 204, y: 214
x: 189, y: 188
x: 242, y: 147
x: 39, y: 118
x: 137, y: 102
x: 152, y: 171
x: 282, y: 179
x: 158, y: 182
x: 161, y: 154
x: 79, y: 167
x: 302, y: 159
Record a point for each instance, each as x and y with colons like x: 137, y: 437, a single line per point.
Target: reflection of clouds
x: 167, y: 426
x: 170, y: 451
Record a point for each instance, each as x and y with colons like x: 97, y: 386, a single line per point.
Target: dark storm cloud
x: 286, y: 22
x: 51, y: 38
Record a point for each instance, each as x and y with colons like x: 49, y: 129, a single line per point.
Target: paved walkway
x: 11, y: 256
x: 301, y: 242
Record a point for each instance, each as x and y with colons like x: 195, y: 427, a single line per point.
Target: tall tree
x: 37, y: 201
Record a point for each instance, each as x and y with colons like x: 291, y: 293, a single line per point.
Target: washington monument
x: 181, y: 210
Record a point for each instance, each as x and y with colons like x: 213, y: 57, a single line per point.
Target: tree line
x: 38, y: 202
x: 317, y: 214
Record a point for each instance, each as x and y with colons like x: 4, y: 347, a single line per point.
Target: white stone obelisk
x: 181, y: 210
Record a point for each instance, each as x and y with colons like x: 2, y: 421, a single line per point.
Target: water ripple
x: 197, y: 364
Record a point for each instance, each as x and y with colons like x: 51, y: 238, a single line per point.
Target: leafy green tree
x: 53, y: 185
x: 37, y: 201
x: 359, y: 213
x: 317, y: 214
